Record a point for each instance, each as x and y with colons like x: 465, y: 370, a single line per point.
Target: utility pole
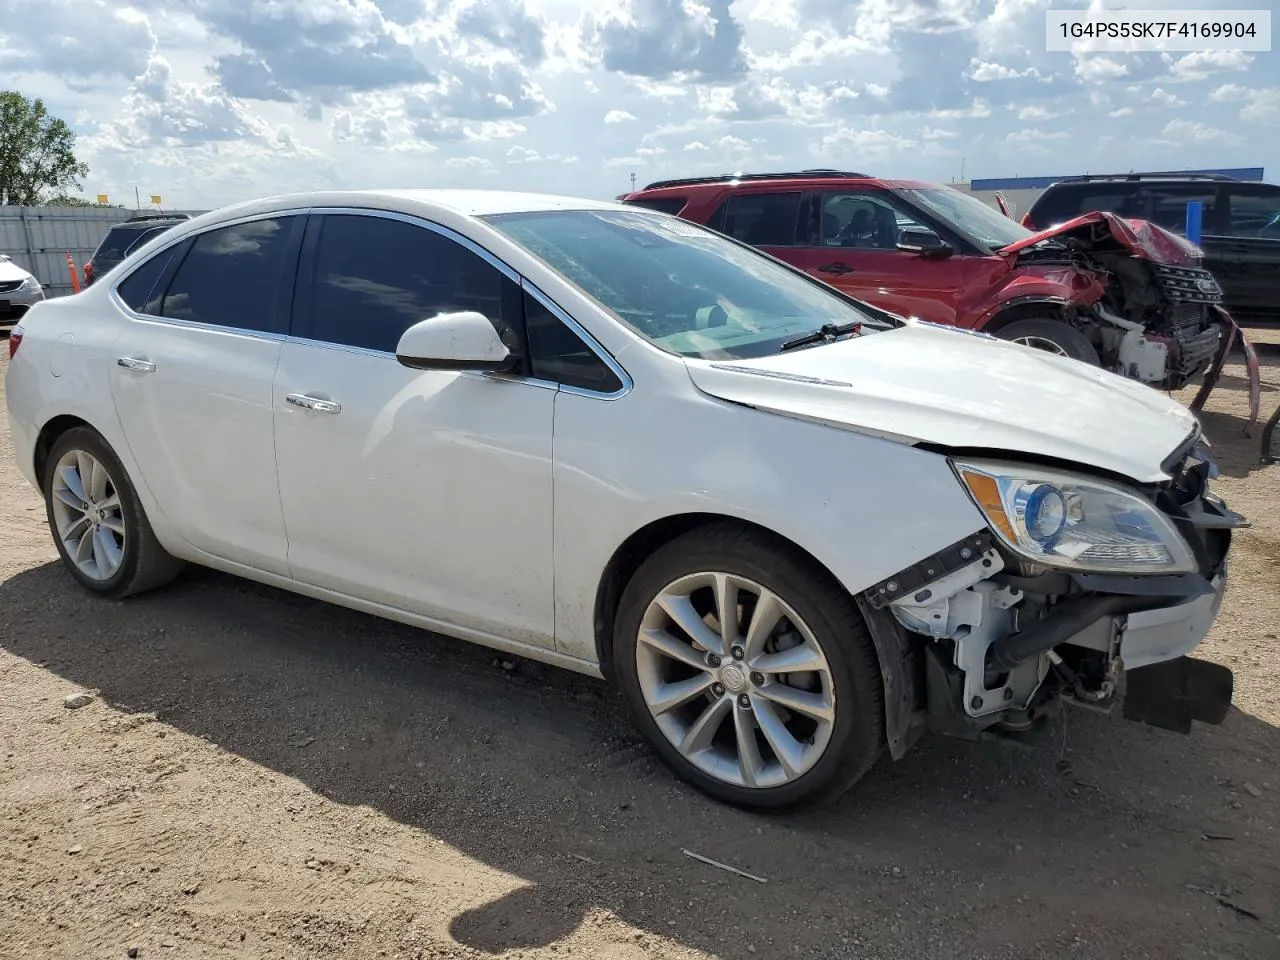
x: 633, y: 181
x: 137, y: 200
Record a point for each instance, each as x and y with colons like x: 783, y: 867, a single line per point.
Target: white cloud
x: 211, y: 101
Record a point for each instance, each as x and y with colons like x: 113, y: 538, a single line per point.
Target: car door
x: 426, y: 491
x: 1165, y: 204
x: 1250, y: 249
x: 192, y: 383
x: 854, y: 242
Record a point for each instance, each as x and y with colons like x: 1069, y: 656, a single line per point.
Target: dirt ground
x: 259, y: 775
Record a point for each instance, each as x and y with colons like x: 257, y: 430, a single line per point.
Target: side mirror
x: 925, y: 242
x: 455, y: 341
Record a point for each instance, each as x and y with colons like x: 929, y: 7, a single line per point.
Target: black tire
x: 145, y: 564
x: 1066, y: 337
x: 858, y: 736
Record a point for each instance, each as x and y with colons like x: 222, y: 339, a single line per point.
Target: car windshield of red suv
x: 681, y: 286
x: 985, y: 224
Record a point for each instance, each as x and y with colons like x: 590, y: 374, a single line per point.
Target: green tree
x: 37, y: 153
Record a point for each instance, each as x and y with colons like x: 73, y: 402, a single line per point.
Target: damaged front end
x: 1081, y: 591
x: 1159, y: 319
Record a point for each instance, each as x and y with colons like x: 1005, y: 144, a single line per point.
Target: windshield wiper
x: 824, y: 334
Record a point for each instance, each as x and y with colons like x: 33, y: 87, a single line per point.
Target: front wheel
x: 749, y: 670
x: 1052, y: 336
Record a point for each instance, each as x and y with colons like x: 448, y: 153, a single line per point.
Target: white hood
x: 941, y: 385
x: 11, y: 271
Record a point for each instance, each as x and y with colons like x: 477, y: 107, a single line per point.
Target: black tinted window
x: 376, y: 277
x: 1167, y: 206
x: 1254, y: 215
x: 672, y: 205
x: 558, y: 354
x: 138, y: 289
x: 231, y: 276
x: 115, y: 243
x: 144, y: 237
x: 760, y: 219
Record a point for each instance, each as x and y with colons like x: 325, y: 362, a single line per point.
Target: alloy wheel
x: 88, y: 515
x: 735, y: 680
x: 1041, y: 343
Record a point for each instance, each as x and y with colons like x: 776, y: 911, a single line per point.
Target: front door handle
x: 314, y: 403
x: 142, y: 366
x: 836, y: 268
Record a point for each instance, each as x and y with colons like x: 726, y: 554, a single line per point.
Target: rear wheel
x: 97, y: 521
x: 749, y: 670
x: 1052, y: 336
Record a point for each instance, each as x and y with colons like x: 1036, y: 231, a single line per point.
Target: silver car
x: 19, y: 290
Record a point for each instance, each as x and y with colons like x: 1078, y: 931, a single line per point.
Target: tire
x: 138, y: 562
x: 1069, y: 341
x: 833, y: 760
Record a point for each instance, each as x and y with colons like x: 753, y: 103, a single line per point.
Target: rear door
x: 1166, y: 204
x: 1250, y: 249
x: 772, y: 220
x: 192, y: 381
x: 853, y: 240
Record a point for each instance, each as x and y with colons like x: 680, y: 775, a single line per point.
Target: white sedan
x: 795, y: 531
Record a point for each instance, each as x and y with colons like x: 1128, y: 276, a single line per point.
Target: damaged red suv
x: 1126, y: 295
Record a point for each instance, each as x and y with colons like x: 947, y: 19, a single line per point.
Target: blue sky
x: 210, y: 101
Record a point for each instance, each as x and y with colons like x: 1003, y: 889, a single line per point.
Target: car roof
x: 807, y: 178
x: 474, y: 203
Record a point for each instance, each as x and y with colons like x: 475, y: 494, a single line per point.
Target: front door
x: 855, y: 243
x: 192, y: 384
x: 424, y: 491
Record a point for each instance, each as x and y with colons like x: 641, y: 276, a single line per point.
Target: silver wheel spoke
x: 787, y: 748
x: 96, y: 483
x: 796, y: 660
x: 70, y: 477
x: 68, y: 498
x: 106, y: 553
x: 750, y: 763
x: 680, y: 610
x: 114, y: 524
x: 668, y: 696
x: 673, y: 647
x: 75, y: 528
x: 674, y: 641
x: 110, y: 503
x: 727, y: 610
x: 703, y: 730
x: 813, y: 705
x: 84, y: 548
x: 766, y: 616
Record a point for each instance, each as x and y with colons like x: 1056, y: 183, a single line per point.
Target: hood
x: 1105, y: 231
x: 11, y: 271
x: 942, y: 385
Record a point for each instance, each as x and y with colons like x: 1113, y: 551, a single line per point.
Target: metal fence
x: 39, y: 239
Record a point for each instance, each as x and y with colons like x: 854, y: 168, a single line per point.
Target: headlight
x: 1073, y: 522
x: 29, y: 285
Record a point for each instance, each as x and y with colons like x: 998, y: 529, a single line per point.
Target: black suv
x: 124, y: 238
x: 1240, y: 234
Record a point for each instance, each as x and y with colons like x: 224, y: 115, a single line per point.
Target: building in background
x: 1021, y: 192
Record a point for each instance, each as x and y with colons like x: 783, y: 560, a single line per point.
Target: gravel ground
x: 259, y: 775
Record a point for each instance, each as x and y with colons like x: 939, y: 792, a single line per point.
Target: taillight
x: 1026, y: 221
x: 15, y: 341
x: 88, y: 273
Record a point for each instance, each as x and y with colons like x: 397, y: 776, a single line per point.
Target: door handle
x: 142, y: 366
x: 314, y: 403
x: 836, y: 268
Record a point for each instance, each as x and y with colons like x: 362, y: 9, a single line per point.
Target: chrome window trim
x: 501, y: 266
x: 605, y: 357
x: 114, y: 291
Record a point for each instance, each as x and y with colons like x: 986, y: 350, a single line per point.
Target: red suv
x: 1126, y: 295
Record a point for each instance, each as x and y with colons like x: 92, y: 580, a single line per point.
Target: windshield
x: 984, y: 223
x: 681, y: 286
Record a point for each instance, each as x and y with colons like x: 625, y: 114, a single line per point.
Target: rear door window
x: 1166, y: 204
x: 1253, y: 213
x: 763, y: 219
x: 232, y: 276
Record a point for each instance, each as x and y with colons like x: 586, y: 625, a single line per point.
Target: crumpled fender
x: 1059, y: 286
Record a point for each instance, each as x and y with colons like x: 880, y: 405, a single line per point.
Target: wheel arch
x: 49, y: 435
x: 1028, y: 308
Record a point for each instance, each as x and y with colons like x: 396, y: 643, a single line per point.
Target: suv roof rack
x: 813, y: 174
x: 1168, y: 175
x: 138, y: 218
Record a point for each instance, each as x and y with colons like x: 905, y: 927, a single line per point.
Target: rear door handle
x: 314, y: 403
x: 836, y: 268
x: 141, y: 366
